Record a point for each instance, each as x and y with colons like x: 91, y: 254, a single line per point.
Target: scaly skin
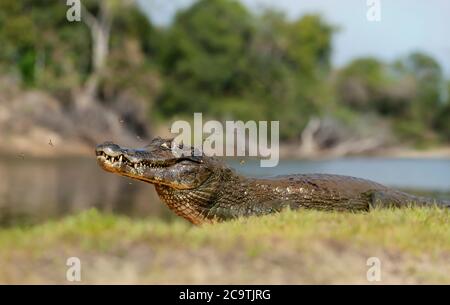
x: 203, y: 189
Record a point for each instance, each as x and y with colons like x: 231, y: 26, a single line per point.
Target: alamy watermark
x: 238, y: 138
x: 73, y: 273
x: 374, y: 10
x: 374, y: 272
x: 74, y: 11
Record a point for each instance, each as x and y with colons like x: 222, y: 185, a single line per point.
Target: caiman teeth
x: 123, y: 159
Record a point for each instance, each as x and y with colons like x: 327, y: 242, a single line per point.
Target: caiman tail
x: 393, y: 198
x: 426, y: 201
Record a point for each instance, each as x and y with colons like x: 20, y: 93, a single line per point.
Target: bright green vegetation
x: 219, y: 58
x: 292, y: 247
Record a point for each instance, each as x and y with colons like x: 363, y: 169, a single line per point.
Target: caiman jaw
x: 125, y: 162
x: 116, y: 162
x: 154, y: 164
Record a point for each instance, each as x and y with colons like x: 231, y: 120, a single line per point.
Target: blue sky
x: 405, y: 26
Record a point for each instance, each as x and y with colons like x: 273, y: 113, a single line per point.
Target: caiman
x: 204, y: 189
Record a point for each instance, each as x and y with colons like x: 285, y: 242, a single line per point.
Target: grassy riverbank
x: 292, y: 247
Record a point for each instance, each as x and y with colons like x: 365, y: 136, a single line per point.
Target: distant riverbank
x: 42, y: 144
x: 35, y: 124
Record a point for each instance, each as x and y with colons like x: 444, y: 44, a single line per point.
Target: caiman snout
x: 108, y: 148
x: 121, y: 159
x: 112, y: 157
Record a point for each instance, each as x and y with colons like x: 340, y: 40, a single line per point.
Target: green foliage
x: 408, y: 92
x: 283, y: 241
x: 429, y: 81
x: 205, y: 55
x: 442, y: 121
x: 309, y: 44
x: 431, y: 226
x: 367, y: 84
x: 221, y: 60
x: 47, y: 51
x: 131, y: 23
x: 39, y: 44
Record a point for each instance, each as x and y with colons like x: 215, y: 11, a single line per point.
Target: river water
x: 34, y: 190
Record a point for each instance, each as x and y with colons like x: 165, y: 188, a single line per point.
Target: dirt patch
x: 325, y: 262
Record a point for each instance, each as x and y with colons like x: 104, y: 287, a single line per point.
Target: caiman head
x: 189, y: 184
x: 156, y: 164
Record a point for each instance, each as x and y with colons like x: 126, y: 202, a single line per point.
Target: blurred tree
x: 428, y: 77
x: 290, y: 65
x: 309, y: 44
x: 367, y: 84
x: 40, y: 44
x: 46, y: 50
x: 205, y: 55
x: 221, y: 60
x: 421, y: 115
x: 408, y: 91
x: 359, y: 83
x: 99, y: 17
x: 442, y: 122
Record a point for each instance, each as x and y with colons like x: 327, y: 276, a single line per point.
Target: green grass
x: 290, y: 247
